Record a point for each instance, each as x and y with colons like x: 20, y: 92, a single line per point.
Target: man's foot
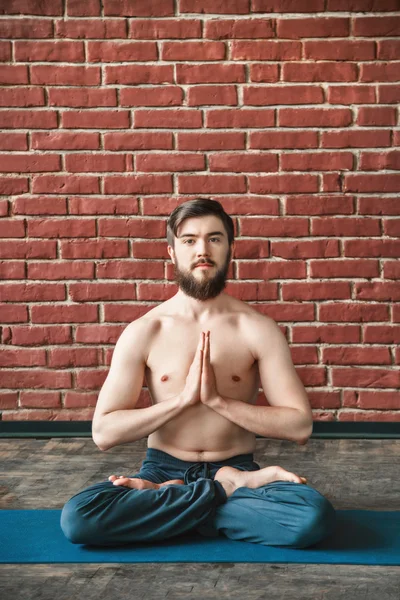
x: 141, y: 484
x: 231, y: 479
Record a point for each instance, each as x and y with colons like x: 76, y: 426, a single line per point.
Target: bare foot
x: 141, y: 484
x: 231, y: 479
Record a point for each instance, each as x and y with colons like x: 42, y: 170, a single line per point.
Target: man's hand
x: 191, y: 392
x: 208, y: 392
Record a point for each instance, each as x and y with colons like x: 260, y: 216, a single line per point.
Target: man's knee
x: 318, y: 522
x: 75, y: 524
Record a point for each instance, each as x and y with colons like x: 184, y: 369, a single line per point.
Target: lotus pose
x: 203, y: 355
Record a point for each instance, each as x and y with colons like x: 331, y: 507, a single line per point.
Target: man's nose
x: 202, y: 248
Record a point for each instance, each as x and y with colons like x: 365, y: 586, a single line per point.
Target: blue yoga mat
x: 362, y: 537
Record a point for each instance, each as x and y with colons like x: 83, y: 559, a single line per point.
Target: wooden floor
x: 350, y: 473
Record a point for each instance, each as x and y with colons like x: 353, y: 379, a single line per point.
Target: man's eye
x: 215, y: 239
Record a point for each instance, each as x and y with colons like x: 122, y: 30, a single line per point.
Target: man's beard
x: 206, y: 288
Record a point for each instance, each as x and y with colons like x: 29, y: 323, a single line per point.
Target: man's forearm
x: 279, y: 422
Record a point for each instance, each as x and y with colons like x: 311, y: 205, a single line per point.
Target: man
x: 204, y: 355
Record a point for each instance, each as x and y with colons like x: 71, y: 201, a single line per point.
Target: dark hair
x: 199, y: 207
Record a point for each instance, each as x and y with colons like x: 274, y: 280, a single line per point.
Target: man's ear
x: 171, y: 252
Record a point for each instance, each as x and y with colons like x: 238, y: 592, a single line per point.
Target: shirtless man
x: 204, y: 355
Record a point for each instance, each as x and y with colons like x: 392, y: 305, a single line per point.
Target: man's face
x: 201, y: 257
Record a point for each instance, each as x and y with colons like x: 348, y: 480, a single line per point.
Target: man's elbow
x: 100, y: 439
x: 306, y: 432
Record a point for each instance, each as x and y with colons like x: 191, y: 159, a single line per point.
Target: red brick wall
x: 113, y: 112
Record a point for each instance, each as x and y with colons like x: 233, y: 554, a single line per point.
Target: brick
x: 12, y: 269
x: 354, y: 377
x: 182, y: 119
x: 287, y: 94
x: 5, y: 51
x: 331, y: 182
x: 169, y: 162
x: 77, y: 399
x: 211, y: 141
x: 136, y: 228
x: 102, y: 206
x: 29, y: 163
x: 345, y: 227
x: 313, y: 27
x: 40, y: 399
x: 90, y: 28
x: 326, y: 334
x: 95, y: 119
x: 376, y: 26
x: 218, y: 73
x: 13, y: 313
x: 121, y: 51
x: 151, y: 8
x: 344, y: 268
x: 22, y: 358
x: 156, y: 291
x: 149, y: 250
x: 73, y: 357
x: 377, y: 161
x: 389, y: 182
x: 8, y: 400
x: 373, y: 248
x: 75, y: 8
x: 388, y: 49
x: 350, y: 94
x: 353, y: 312
x: 306, y: 249
x: 264, y: 72
x: 26, y: 28
x: 319, y: 205
x: 382, y: 400
x: 321, y: 71
x: 16, y: 96
x: 238, y: 28
x: 189, y: 51
x: 86, y: 163
x: 35, y: 378
x: 68, y: 313
x: 314, y: 117
x: 381, y: 71
x: 166, y: 29
x: 290, y: 6
x: 65, y: 184
x: 98, y: 334
x: 316, y: 161
x: 13, y: 141
x: 85, y: 97
x: 381, y: 334
x: 60, y: 270
x: 283, y: 184
x: 32, y: 292
x: 88, y: 292
x: 13, y: 74
x: 62, y: 228
x: 311, y: 290
x: 138, y: 184
x: 12, y: 228
x: 391, y: 227
x: 391, y: 269
x: 53, y: 51
x: 356, y: 356
x: 13, y: 185
x: 240, y: 205
x: 362, y: 5
x: 135, y: 74
x: 3, y: 203
x: 64, y: 75
x: 160, y: 96
x: 339, y: 50
x: 32, y: 7
x: 208, y: 6
x: 237, y: 118
x: 125, y: 313
x: 28, y: 119
x: 139, y: 141
x: 242, y: 163
x: 375, y: 116
x: 261, y: 50
x: 274, y: 227
x: 271, y: 270
x: 376, y: 290
x: 389, y: 94
x: 138, y: 269
x: 283, y: 139
x: 355, y: 138
x: 28, y: 249
x: 212, y: 95
x: 76, y: 249
x: 211, y: 184
x: 64, y: 140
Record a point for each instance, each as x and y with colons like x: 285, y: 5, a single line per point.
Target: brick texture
x: 114, y: 112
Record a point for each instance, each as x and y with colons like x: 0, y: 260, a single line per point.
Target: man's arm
x: 116, y: 420
x: 289, y: 415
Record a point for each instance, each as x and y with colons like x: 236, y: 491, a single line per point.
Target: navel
x: 164, y: 378
x: 235, y: 377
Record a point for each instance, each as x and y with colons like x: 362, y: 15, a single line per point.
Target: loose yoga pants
x: 278, y: 514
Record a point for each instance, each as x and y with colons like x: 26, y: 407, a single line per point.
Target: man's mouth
x: 203, y: 266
